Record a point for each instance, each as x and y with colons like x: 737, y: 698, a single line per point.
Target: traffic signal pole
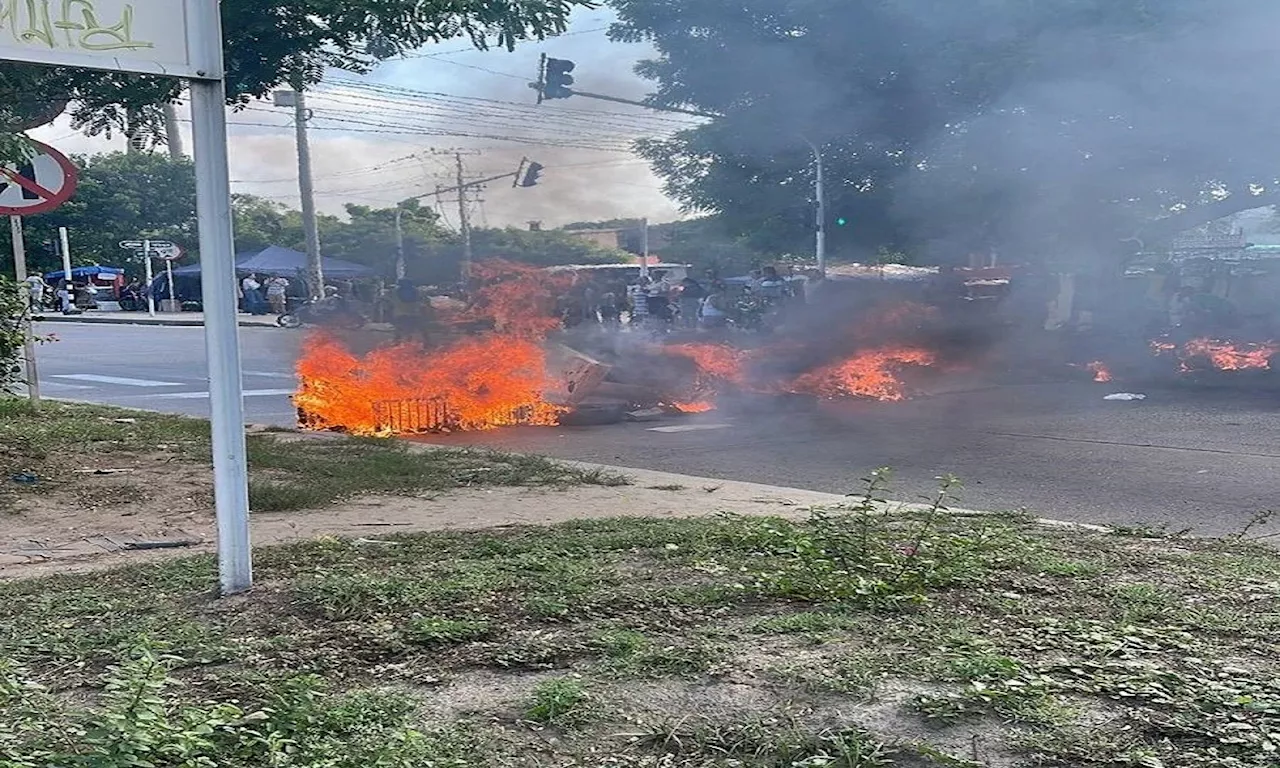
x: 632, y: 102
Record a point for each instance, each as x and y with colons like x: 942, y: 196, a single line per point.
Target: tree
x: 271, y: 42
x: 369, y: 235
x: 1063, y: 126
x: 13, y: 324
x: 261, y: 223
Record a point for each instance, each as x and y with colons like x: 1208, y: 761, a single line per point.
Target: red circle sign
x: 45, y: 181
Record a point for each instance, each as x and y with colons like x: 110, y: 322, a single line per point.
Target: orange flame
x: 519, y: 300
x: 714, y: 361
x: 870, y: 374
x: 1228, y: 356
x: 697, y: 407
x: 1101, y: 373
x: 481, y: 383
x: 1222, y: 355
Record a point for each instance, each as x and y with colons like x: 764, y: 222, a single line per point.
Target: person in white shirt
x: 35, y: 289
x: 253, y: 303
x: 713, y: 312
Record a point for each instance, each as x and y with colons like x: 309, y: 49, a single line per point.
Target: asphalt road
x: 164, y: 368
x: 1203, y: 459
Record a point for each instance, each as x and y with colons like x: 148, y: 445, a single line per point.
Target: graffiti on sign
x: 70, y: 24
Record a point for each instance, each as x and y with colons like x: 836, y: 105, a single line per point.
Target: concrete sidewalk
x: 173, y: 319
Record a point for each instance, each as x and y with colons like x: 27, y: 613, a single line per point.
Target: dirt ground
x: 83, y: 520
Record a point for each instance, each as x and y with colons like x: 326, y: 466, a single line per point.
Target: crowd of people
x: 658, y: 302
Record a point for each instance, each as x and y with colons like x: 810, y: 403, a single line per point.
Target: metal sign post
x: 142, y: 36
x: 218, y: 284
x: 150, y: 277
x: 28, y: 341
x: 64, y: 244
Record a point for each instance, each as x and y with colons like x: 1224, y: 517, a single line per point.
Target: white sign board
x: 155, y: 37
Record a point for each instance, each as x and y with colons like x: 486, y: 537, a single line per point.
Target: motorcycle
x: 324, y: 312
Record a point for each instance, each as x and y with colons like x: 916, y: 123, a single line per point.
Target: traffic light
x: 532, y: 174
x: 558, y: 79
x: 842, y: 222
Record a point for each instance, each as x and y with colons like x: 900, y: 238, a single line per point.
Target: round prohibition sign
x: 40, y: 184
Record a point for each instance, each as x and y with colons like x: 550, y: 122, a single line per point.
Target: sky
x: 381, y: 138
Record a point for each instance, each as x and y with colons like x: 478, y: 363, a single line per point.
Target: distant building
x: 613, y: 239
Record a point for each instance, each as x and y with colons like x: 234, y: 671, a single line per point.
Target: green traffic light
x: 840, y: 222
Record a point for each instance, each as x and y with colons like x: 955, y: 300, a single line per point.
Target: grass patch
x: 285, y: 474
x: 807, y: 622
x: 683, y: 643
x: 437, y: 631
x: 773, y: 741
x: 291, y: 474
x: 560, y: 701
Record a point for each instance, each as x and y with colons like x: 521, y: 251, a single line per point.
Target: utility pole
x: 306, y: 185
x: 820, y: 193
x: 464, y: 219
x: 400, y: 265
x: 644, y: 247
x: 173, y: 137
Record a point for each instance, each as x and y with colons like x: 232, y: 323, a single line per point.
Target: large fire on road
x: 501, y: 376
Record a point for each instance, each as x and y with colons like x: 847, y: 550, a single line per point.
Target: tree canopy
x: 270, y: 42
x: 1062, y: 126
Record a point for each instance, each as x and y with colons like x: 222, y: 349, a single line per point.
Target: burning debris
x: 872, y: 374
x: 503, y: 367
x: 1101, y: 373
x: 478, y: 383
x: 1212, y: 354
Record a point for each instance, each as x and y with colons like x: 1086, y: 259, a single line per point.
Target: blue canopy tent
x: 272, y: 261
x: 82, y: 273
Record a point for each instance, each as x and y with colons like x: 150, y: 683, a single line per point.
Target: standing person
x: 637, y: 298
x: 65, y: 302
x: 252, y: 294
x: 771, y: 286
x: 658, y: 299
x: 411, y: 313
x: 610, y: 310
x: 35, y: 292
x: 713, y: 312
x: 277, y: 289
x: 691, y: 295
x: 590, y: 303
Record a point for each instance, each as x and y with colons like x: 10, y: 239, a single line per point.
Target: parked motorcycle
x: 338, y: 314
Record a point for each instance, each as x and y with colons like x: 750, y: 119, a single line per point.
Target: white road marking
x: 57, y: 386
x: 247, y: 393
x: 268, y: 375
x: 115, y: 380
x: 691, y: 428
